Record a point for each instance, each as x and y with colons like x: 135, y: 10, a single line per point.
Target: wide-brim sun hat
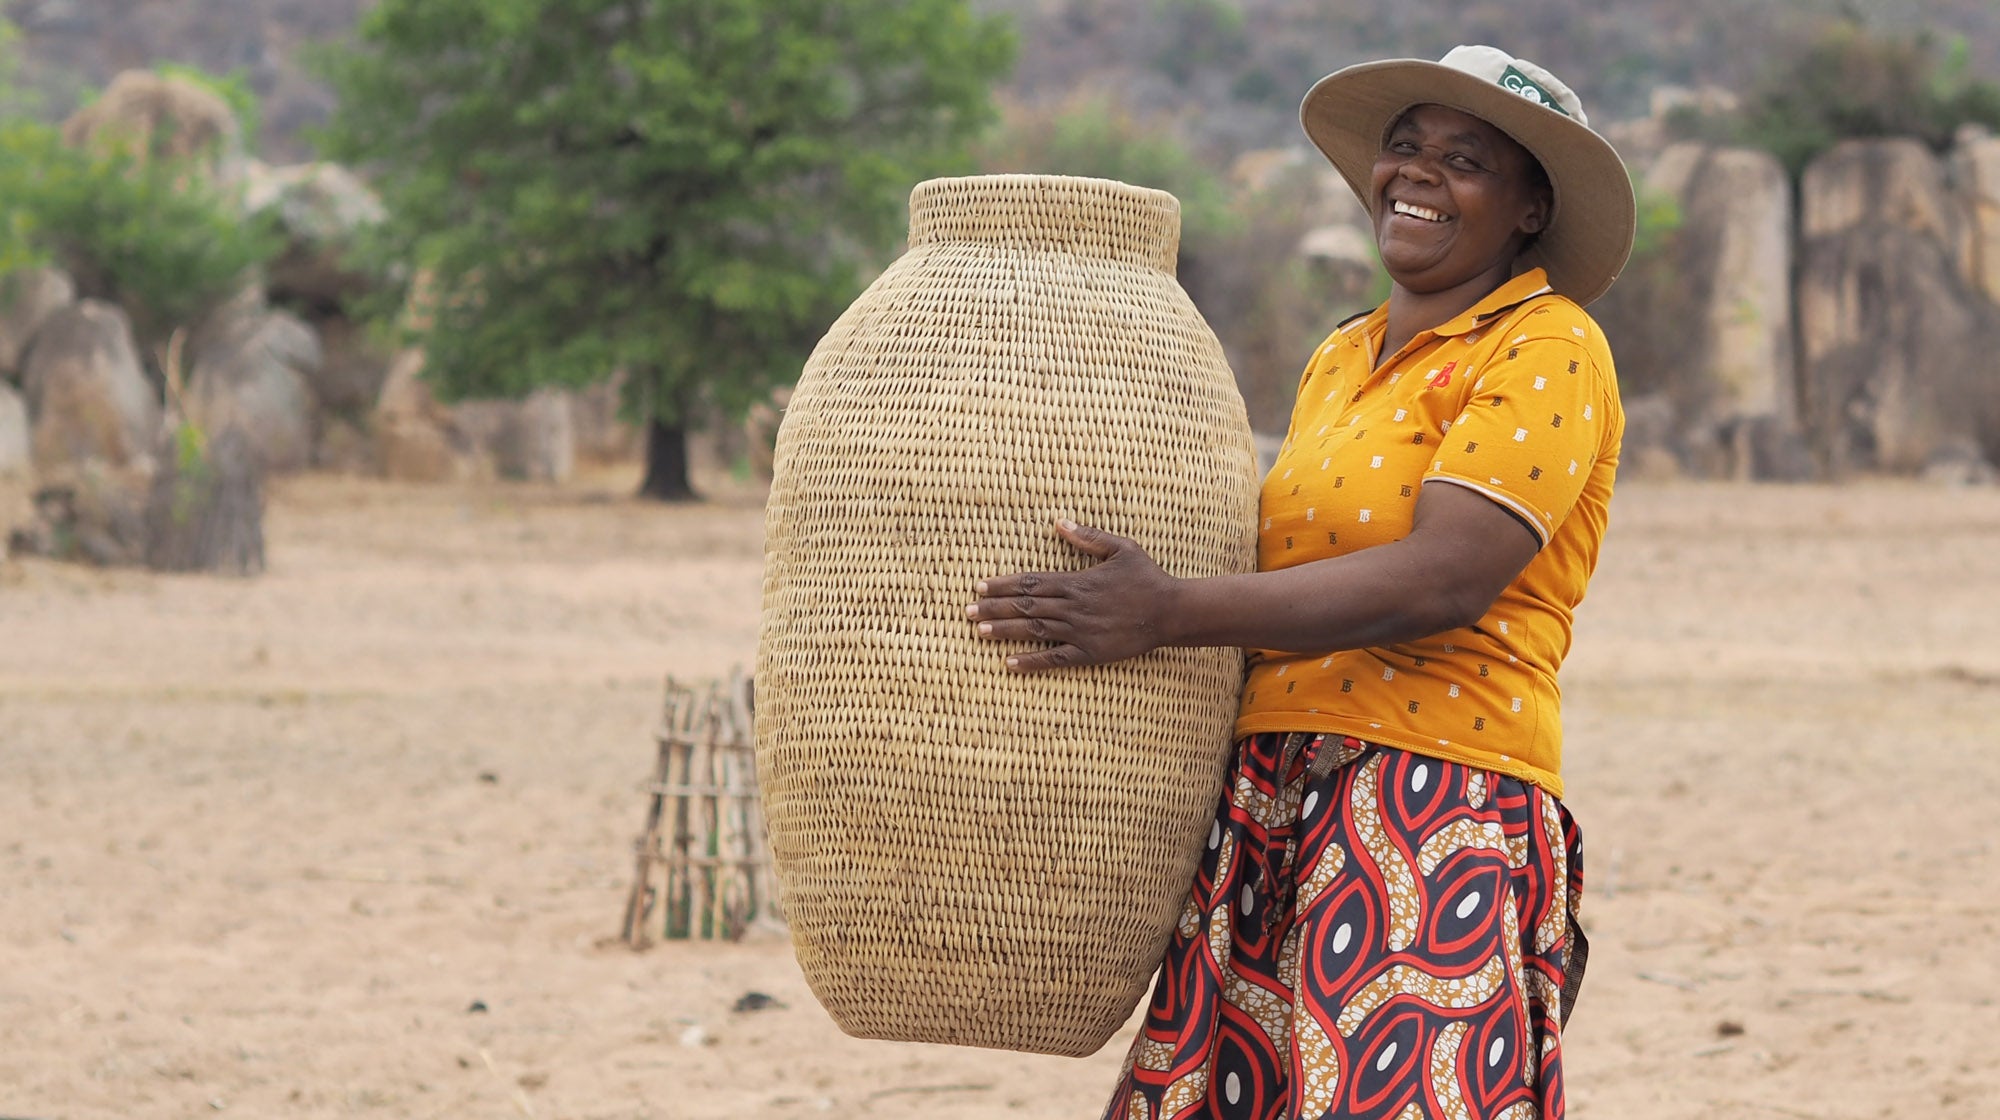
x: 1349, y: 113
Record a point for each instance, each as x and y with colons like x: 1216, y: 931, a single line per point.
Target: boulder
x: 602, y: 434
x: 1341, y: 260
x: 322, y: 210
x: 344, y: 447
x: 760, y: 433
x: 1734, y: 256
x: 157, y: 116
x: 412, y: 432
x: 353, y: 369
x: 1975, y: 171
x: 14, y: 455
x: 27, y: 299
x: 1652, y: 431
x: 477, y: 428
x: 540, y: 444
x: 1959, y: 463
x: 96, y: 515
x: 1897, y: 345
x: 88, y: 395
x: 532, y: 439
x: 251, y: 372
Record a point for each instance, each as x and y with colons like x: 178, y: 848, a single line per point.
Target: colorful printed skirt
x: 1372, y: 934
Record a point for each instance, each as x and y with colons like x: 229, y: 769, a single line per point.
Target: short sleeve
x: 1532, y: 428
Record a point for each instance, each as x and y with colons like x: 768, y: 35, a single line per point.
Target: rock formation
x: 322, y: 209
x: 1735, y: 259
x: 412, y: 431
x: 88, y: 395
x: 1975, y: 171
x: 1898, y: 346
x: 27, y: 299
x: 251, y: 372
x: 14, y: 455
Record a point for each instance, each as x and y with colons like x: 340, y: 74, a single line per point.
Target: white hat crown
x: 1518, y: 76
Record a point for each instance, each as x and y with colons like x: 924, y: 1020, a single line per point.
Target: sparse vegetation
x: 1848, y: 82
x: 141, y: 228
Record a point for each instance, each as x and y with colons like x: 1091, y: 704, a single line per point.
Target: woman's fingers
x: 1047, y: 585
x: 993, y: 604
x: 1025, y: 586
x: 1091, y: 540
x: 1058, y: 658
x: 1026, y: 630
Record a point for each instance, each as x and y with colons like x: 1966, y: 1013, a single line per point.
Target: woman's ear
x: 1537, y: 218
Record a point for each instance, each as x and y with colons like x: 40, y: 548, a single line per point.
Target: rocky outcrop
x: 354, y: 368
x: 88, y: 395
x: 1341, y: 261
x: 322, y: 209
x: 252, y: 373
x: 1897, y: 344
x: 27, y: 299
x: 154, y: 116
x: 96, y: 515
x: 412, y: 432
x: 1735, y: 260
x: 531, y: 440
x: 14, y: 456
x: 1975, y: 171
x: 602, y: 433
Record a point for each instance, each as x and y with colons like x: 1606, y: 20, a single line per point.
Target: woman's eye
x: 1465, y: 163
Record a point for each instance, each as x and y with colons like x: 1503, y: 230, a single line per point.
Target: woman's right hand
x: 1110, y: 611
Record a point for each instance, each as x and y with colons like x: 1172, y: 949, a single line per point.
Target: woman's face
x: 1455, y: 199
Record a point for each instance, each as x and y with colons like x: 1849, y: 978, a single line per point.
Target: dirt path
x: 266, y: 847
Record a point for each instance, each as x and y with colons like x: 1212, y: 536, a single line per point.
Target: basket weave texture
x: 966, y: 855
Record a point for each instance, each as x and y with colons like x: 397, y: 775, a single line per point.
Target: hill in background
x: 1231, y: 73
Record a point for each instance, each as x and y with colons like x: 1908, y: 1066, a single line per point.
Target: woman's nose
x: 1420, y: 167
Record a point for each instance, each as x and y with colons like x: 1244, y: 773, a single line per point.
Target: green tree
x: 688, y: 190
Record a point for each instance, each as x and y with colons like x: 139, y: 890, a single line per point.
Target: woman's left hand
x: 1110, y: 611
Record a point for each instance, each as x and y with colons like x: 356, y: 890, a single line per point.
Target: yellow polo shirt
x: 1515, y: 399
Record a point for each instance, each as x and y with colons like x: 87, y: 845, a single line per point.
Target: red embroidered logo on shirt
x: 1441, y: 378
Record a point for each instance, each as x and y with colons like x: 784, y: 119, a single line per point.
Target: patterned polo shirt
x: 1515, y: 399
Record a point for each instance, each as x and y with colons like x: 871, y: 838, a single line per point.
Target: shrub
x: 154, y: 235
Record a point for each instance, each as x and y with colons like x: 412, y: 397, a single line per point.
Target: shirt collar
x: 1505, y: 298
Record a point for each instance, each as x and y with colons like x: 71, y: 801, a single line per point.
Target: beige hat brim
x: 1589, y: 237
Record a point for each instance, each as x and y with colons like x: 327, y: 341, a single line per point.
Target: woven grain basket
x: 968, y: 856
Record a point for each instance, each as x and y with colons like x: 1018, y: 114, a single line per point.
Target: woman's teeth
x: 1423, y: 212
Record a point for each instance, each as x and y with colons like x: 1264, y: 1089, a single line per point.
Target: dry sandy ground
x: 248, y: 864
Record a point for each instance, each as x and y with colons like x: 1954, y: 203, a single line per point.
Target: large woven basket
x: 965, y: 855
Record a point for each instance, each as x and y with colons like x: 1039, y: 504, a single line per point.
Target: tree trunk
x: 666, y: 463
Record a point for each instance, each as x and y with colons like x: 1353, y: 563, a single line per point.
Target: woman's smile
x: 1424, y: 213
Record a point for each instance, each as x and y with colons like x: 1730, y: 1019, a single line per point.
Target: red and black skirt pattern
x: 1372, y: 935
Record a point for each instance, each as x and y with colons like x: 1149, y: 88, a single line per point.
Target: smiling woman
x: 1459, y: 201
x: 1383, y: 923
